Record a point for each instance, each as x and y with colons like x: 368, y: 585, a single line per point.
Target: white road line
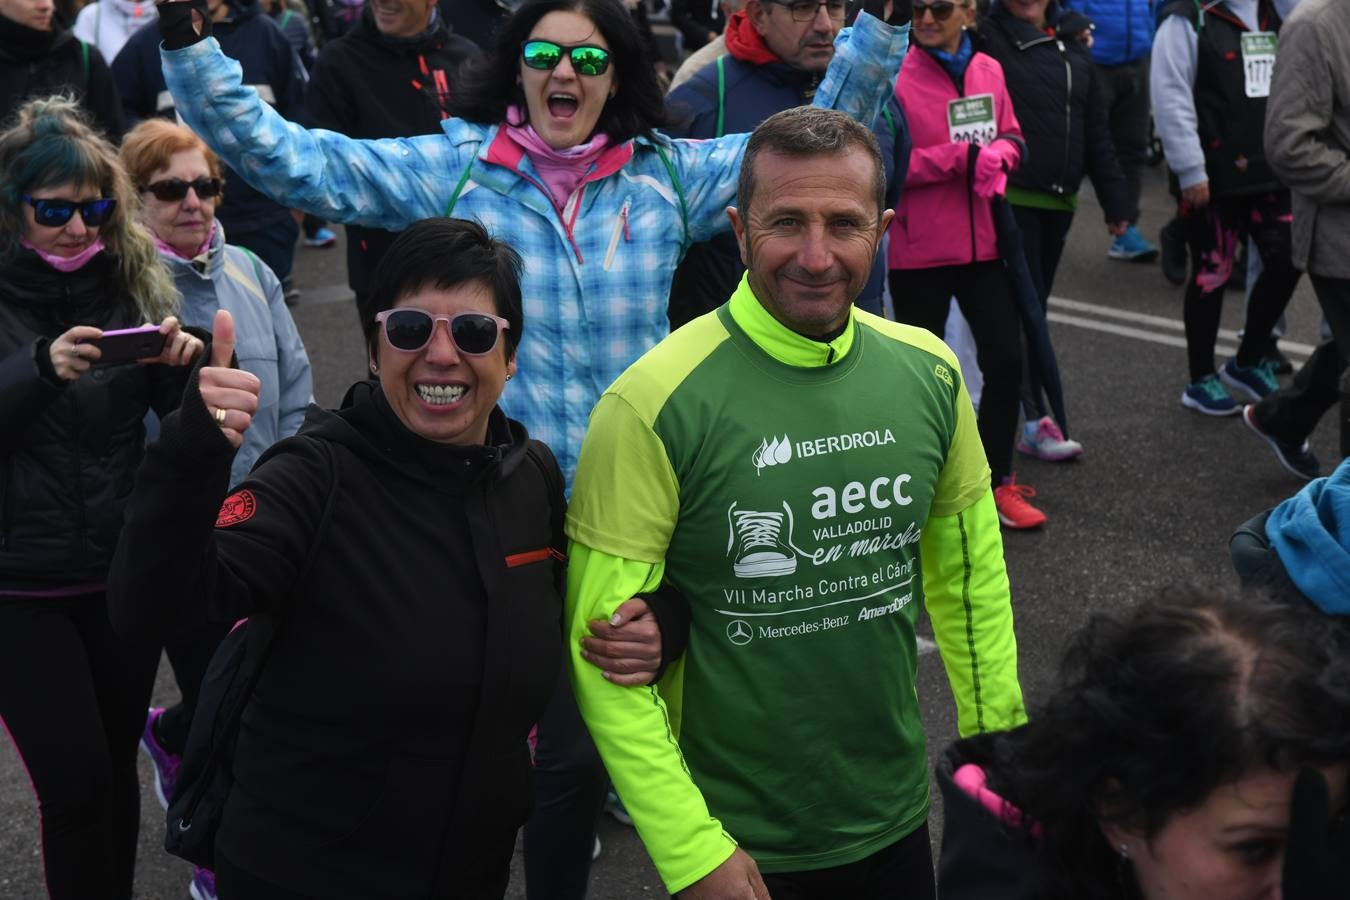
x: 1292, y: 348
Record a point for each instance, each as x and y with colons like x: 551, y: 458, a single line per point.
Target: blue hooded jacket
x: 1311, y: 534
x: 1123, y: 31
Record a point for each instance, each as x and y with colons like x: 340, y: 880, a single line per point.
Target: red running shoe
x: 1014, y: 509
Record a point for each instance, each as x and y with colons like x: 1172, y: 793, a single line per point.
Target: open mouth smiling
x: 441, y: 394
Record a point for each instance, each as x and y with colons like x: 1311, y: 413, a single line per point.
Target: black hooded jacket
x: 366, y: 85
x: 1057, y: 95
x: 41, y: 63
x: 983, y: 856
x: 68, y: 450
x: 269, y: 64
x: 383, y: 752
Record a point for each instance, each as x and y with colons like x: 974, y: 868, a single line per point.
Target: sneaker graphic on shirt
x: 757, y: 543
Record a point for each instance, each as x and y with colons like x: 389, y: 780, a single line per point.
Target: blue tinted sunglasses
x: 53, y: 213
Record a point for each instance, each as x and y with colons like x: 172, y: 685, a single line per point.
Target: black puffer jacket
x: 68, y: 450
x: 369, y: 86
x: 1058, y: 98
x: 41, y: 63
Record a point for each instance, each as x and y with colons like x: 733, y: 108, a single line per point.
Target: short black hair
x: 486, y: 87
x: 809, y: 131
x: 443, y: 253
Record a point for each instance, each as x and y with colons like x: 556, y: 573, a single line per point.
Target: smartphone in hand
x: 127, y: 345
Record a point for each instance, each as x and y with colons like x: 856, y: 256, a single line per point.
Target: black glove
x: 175, y: 23
x: 901, y: 10
x: 1317, y: 858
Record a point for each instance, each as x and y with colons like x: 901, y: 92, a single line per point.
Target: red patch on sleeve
x: 238, y: 507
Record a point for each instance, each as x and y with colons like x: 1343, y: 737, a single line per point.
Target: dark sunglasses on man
x: 409, y: 329
x: 53, y: 213
x: 587, y: 59
x: 170, y: 189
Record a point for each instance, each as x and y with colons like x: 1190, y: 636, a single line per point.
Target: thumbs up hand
x: 230, y: 394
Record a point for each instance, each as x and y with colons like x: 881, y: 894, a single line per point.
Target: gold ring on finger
x: 220, y: 417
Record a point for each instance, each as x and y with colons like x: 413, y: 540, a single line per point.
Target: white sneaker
x: 1044, y: 440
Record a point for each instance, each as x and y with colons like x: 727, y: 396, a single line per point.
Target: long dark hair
x: 1160, y: 706
x: 486, y: 88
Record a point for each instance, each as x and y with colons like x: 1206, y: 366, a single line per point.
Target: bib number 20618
x: 970, y: 120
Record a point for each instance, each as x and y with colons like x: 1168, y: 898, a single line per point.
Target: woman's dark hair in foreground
x: 487, y: 86
x: 444, y: 253
x: 1159, y: 706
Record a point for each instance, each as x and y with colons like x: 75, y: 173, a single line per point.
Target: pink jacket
x: 940, y: 221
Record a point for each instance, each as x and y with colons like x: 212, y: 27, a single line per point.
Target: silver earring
x: 1124, y: 852
x: 508, y: 376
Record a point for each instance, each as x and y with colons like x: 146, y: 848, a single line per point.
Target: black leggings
x: 902, y: 871
x: 73, y: 698
x: 1043, y: 234
x: 1214, y: 234
x: 922, y: 297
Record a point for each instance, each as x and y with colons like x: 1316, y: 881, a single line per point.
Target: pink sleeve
x: 938, y: 163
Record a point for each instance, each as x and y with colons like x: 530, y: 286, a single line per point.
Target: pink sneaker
x: 1044, y: 440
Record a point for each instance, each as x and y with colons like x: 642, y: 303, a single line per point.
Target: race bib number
x: 970, y: 120
x: 1258, y: 61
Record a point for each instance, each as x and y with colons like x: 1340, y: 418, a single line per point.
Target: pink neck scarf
x: 206, y: 245
x: 67, y: 263
x: 561, y: 170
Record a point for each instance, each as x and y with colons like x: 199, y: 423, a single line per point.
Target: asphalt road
x: 1151, y: 503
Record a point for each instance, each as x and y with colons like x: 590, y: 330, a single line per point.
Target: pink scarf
x: 68, y: 263
x: 561, y: 170
x: 206, y: 245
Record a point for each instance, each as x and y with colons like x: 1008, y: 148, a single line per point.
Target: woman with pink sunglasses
x: 408, y: 549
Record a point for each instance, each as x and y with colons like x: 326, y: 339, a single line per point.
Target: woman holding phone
x: 74, y: 265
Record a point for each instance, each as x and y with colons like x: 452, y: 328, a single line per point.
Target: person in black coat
x: 1056, y: 92
x: 40, y: 57
x: 73, y: 695
x: 1197, y: 748
x: 383, y: 751
x: 384, y: 79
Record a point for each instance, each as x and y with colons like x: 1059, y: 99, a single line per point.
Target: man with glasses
x: 776, y: 53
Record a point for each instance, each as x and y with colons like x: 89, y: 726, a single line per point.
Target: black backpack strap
x: 543, y: 459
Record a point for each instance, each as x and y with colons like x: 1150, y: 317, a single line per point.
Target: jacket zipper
x: 620, y: 228
x: 960, y: 86
x: 1068, y: 116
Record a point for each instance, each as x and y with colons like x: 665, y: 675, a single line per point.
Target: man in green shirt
x: 807, y: 475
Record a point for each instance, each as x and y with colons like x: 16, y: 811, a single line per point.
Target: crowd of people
x: 558, y: 548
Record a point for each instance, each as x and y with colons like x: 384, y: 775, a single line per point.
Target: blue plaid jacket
x: 597, y: 273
